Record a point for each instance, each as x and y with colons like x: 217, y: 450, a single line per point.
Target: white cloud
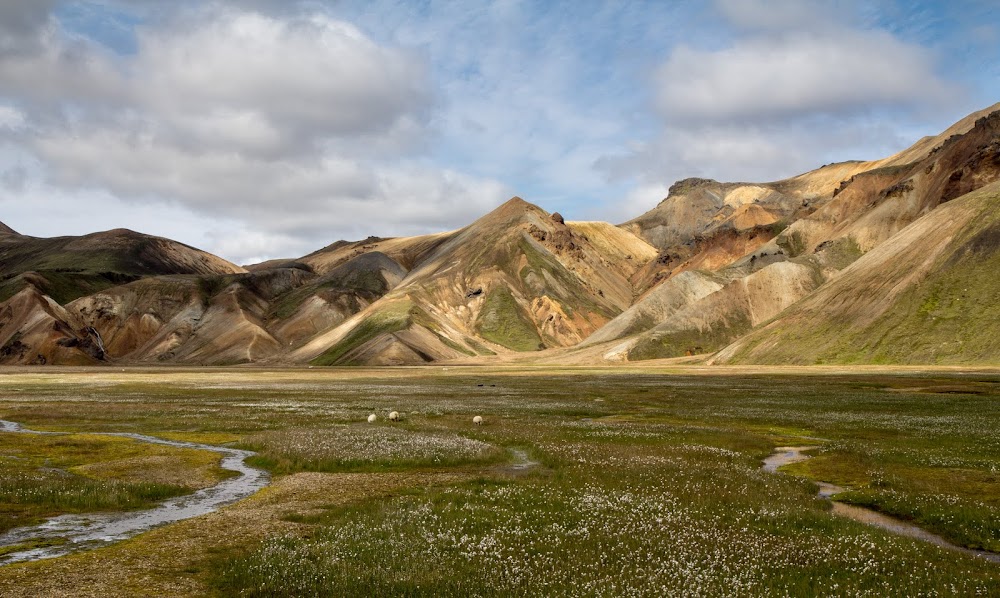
x: 793, y: 74
x: 784, y: 15
x: 411, y: 199
x: 284, y: 125
x: 11, y: 118
x: 20, y: 23
x: 75, y: 212
x: 798, y: 84
x: 297, y: 79
x: 286, y: 131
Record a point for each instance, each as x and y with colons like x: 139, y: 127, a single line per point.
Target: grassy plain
x: 647, y: 481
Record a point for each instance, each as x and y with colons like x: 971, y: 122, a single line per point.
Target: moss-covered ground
x: 47, y: 475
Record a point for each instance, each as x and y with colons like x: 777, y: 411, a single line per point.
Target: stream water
x: 522, y: 461
x: 786, y: 455
x: 81, y: 532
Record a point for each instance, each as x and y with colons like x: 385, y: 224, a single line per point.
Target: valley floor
x: 624, y: 481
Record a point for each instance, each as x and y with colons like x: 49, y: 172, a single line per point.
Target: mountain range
x: 887, y: 261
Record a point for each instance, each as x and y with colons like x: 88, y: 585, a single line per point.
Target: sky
x: 258, y: 129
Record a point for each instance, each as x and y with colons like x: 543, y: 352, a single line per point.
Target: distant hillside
x: 836, y: 223
x: 927, y: 295
x: 69, y: 267
x: 518, y: 279
x: 6, y: 230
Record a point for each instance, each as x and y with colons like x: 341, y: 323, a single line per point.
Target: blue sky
x: 267, y: 128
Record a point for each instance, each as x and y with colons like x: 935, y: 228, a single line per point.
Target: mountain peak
x: 515, y: 202
x: 687, y: 185
x: 513, y: 209
x: 4, y: 229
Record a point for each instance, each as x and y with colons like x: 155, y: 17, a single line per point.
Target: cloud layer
x: 268, y: 128
x: 796, y: 85
x: 293, y: 124
x: 788, y: 75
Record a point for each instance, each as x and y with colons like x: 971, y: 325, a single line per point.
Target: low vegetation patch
x: 386, y: 321
x: 502, y: 321
x: 43, y: 476
x: 365, y: 448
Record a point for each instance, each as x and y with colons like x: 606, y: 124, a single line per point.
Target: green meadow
x: 580, y: 482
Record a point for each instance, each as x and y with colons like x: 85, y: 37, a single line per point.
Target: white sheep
x: 394, y: 416
x: 372, y: 418
x: 478, y: 420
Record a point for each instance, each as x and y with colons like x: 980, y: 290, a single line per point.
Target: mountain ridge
x: 747, y: 272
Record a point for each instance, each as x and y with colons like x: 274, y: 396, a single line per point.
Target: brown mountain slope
x: 704, y: 224
x: 34, y: 329
x: 707, y: 265
x: 323, y: 302
x: 872, y: 206
x: 707, y: 225
x: 700, y: 207
x: 6, y: 230
x: 232, y: 318
x: 119, y: 250
x: 712, y: 322
x: 658, y: 306
x: 858, y: 214
x: 71, y: 267
x: 200, y: 320
x: 218, y: 319
x: 517, y: 279
x: 927, y: 295
x: 406, y: 251
x: 922, y: 148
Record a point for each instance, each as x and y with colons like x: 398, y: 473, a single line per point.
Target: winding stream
x: 786, y: 455
x: 82, y: 532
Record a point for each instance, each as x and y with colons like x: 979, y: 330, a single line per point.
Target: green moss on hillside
x: 392, y: 318
x: 843, y: 252
x: 792, y: 243
x: 361, y: 277
x: 505, y: 323
x: 479, y: 347
x: 420, y: 317
x: 950, y: 317
x: 660, y: 345
x: 64, y: 287
x: 544, y: 275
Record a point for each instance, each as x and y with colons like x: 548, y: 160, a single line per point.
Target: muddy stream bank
x: 786, y: 455
x: 72, y: 533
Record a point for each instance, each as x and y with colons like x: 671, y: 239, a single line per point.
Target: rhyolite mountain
x: 517, y: 279
x: 887, y: 261
x: 42, y: 279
